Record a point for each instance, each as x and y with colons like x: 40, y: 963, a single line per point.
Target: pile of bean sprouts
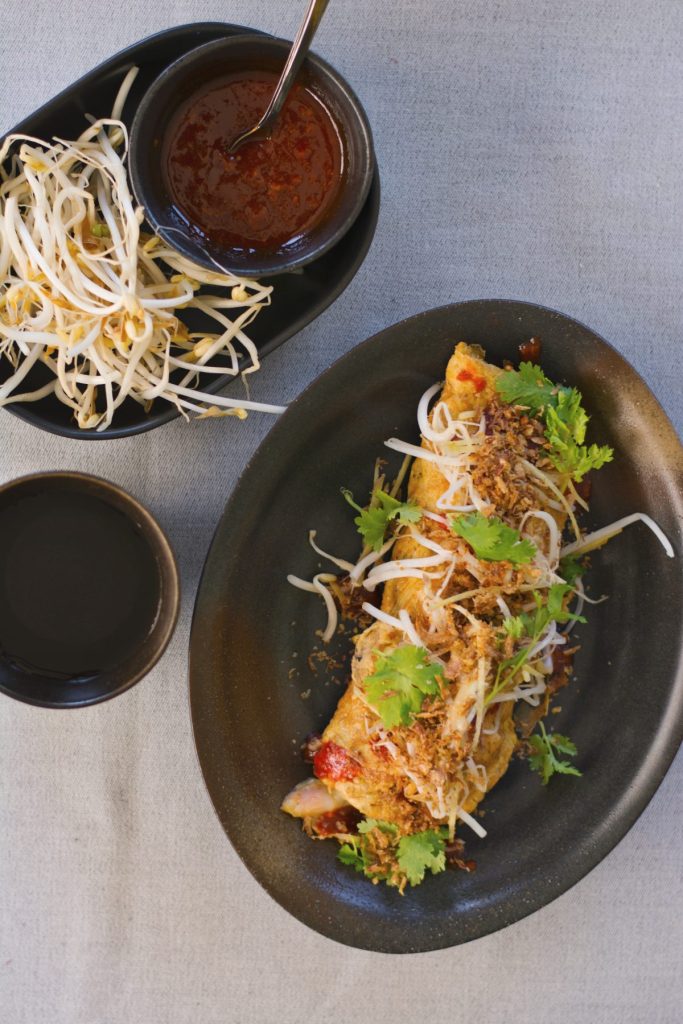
x: 86, y: 293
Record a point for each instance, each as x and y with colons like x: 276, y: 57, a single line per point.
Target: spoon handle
x: 297, y: 55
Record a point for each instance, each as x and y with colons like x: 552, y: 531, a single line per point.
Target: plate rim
x: 630, y: 805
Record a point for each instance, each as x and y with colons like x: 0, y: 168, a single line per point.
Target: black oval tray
x: 298, y: 298
x: 624, y: 710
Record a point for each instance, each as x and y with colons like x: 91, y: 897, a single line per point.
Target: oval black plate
x: 298, y: 298
x: 624, y: 710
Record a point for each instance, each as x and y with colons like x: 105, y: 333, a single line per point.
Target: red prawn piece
x: 335, y: 763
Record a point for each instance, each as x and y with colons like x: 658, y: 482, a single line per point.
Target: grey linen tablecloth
x: 528, y: 149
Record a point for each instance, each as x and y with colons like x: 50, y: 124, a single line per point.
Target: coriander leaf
x: 555, y: 609
x: 368, y: 824
x: 361, y: 853
x: 565, y: 418
x: 353, y: 856
x: 556, y: 604
x: 372, y: 522
x: 544, y: 760
x: 514, y: 626
x: 399, y: 860
x: 566, y: 453
x: 400, y: 682
x: 569, y: 411
x: 492, y: 540
x: 576, y: 460
x: 528, y: 386
x: 540, y: 762
x: 563, y: 744
x: 570, y: 569
x: 552, y: 609
x: 421, y: 852
x: 408, y: 512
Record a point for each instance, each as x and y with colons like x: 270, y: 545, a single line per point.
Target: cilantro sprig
x: 565, y: 418
x: 409, y: 859
x: 545, y: 760
x: 532, y: 625
x: 566, y: 434
x: 401, y: 681
x: 373, y: 521
x: 422, y: 852
x: 528, y: 386
x: 492, y: 540
x: 358, y: 852
x: 571, y: 568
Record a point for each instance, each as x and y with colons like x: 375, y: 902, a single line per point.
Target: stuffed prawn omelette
x: 471, y: 639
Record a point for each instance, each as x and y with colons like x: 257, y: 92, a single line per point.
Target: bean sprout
x: 85, y: 293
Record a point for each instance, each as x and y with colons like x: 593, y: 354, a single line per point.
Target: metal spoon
x: 300, y: 47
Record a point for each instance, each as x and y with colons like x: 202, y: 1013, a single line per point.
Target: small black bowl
x: 190, y: 73
x: 89, y: 590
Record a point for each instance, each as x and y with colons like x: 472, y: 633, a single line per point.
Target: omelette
x: 472, y: 636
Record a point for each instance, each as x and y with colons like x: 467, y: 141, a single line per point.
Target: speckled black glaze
x: 624, y: 709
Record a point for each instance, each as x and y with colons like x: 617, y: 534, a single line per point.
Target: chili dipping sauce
x: 267, y: 194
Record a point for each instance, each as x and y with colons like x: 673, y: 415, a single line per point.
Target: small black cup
x: 89, y: 590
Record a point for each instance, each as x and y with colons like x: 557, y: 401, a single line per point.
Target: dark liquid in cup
x: 79, y: 585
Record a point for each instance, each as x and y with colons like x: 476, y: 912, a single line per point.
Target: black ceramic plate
x: 624, y: 710
x: 298, y: 298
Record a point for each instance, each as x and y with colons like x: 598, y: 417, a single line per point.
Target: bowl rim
x: 266, y: 265
x: 169, y: 601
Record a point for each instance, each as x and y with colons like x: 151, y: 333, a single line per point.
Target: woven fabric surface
x: 528, y: 149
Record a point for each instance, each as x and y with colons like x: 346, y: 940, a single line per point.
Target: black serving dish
x: 208, y: 64
x: 299, y: 297
x: 624, y: 710
x: 89, y: 590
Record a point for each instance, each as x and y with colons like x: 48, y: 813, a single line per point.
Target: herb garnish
x: 492, y: 540
x: 532, y: 625
x: 414, y: 854
x: 528, y: 386
x: 357, y: 853
x: 421, y: 852
x: 571, y: 568
x: 372, y: 522
x: 400, y: 682
x: 565, y: 418
x: 544, y: 760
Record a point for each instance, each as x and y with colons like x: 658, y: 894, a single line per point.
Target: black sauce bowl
x: 89, y: 590
x: 190, y: 73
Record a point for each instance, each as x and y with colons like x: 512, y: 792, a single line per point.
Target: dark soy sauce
x: 79, y: 586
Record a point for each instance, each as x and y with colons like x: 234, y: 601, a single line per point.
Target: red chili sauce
x: 478, y: 382
x: 267, y: 193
